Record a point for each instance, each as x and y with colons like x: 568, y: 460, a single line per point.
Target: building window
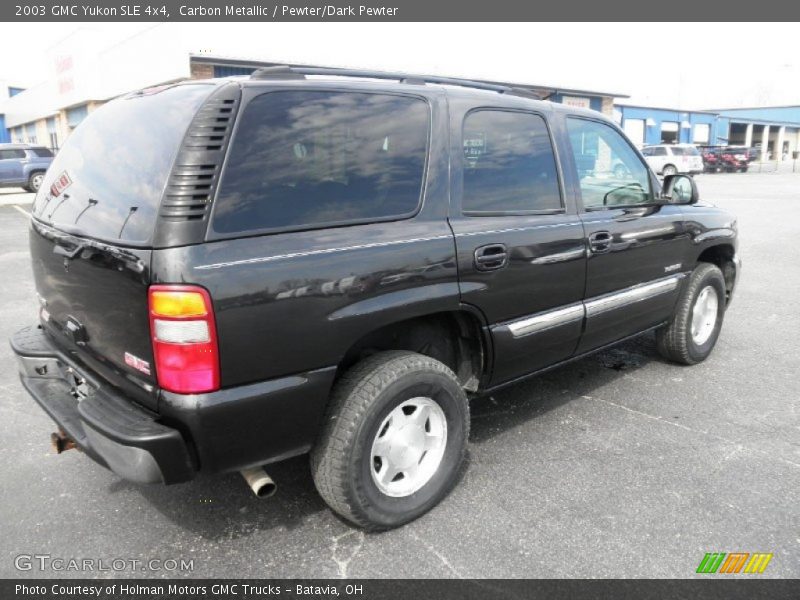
x: 30, y: 133
x: 52, y: 134
x: 702, y: 133
x: 669, y: 132
x: 224, y: 71
x: 76, y: 115
x: 634, y: 128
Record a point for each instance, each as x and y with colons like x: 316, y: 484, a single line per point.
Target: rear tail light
x: 184, y: 338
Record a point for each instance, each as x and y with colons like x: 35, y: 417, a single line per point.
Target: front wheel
x: 393, y: 440
x: 692, y: 332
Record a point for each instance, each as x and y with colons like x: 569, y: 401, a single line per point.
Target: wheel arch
x: 722, y: 255
x: 34, y: 170
x: 456, y: 338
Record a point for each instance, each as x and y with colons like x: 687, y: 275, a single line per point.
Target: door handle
x: 600, y: 242
x: 491, y: 257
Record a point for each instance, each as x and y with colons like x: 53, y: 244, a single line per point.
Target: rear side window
x: 42, y: 152
x: 659, y: 151
x: 109, y: 176
x: 306, y: 159
x: 684, y: 151
x: 509, y: 165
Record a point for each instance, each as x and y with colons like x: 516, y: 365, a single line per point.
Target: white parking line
x: 22, y: 210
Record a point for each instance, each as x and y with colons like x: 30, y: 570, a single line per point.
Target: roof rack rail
x: 288, y: 72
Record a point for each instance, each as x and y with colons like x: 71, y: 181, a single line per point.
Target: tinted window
x: 42, y: 152
x: 12, y: 153
x: 610, y: 172
x: 509, y: 164
x: 315, y: 158
x: 117, y: 163
x: 660, y: 151
x: 647, y: 151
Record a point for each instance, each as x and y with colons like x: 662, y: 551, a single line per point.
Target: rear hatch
x: 92, y: 231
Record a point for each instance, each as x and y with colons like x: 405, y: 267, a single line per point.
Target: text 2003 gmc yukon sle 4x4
x: 268, y: 266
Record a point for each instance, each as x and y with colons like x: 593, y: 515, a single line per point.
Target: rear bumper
x: 109, y: 428
x: 227, y: 430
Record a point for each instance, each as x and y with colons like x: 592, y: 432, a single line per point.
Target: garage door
x: 634, y: 128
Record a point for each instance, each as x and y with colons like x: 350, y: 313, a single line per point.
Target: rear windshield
x: 107, y: 180
x: 685, y: 151
x: 317, y: 159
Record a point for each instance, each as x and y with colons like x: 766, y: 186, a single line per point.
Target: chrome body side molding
x: 546, y: 320
x: 631, y: 295
x: 577, y: 311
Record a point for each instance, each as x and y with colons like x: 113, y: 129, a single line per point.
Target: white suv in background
x: 668, y: 159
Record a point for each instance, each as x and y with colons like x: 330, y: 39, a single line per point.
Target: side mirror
x: 680, y: 189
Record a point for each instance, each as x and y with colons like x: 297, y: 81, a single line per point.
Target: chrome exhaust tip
x: 258, y: 480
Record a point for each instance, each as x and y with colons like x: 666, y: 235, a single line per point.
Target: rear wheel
x: 692, y: 332
x: 393, y: 440
x: 669, y: 170
x: 35, y: 181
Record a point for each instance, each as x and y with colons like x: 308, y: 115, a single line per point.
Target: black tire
x: 341, y: 460
x: 674, y: 340
x: 34, y: 181
x: 669, y: 170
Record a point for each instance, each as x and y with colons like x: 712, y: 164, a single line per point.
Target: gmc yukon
x: 334, y: 263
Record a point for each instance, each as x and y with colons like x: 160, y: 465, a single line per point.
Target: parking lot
x: 618, y: 465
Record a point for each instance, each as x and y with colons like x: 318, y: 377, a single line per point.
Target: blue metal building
x: 775, y: 130
x: 648, y: 125
x: 4, y: 136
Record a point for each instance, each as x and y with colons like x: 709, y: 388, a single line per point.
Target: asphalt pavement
x: 618, y: 465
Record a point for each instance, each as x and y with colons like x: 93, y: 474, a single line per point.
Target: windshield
x: 107, y: 180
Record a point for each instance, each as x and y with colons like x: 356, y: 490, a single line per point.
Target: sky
x: 676, y: 65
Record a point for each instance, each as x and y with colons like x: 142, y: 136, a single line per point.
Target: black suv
x: 277, y: 265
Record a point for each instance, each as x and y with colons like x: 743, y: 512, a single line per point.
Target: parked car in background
x: 727, y: 158
x: 23, y: 166
x: 712, y: 159
x: 734, y: 158
x: 666, y: 159
x: 750, y: 154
